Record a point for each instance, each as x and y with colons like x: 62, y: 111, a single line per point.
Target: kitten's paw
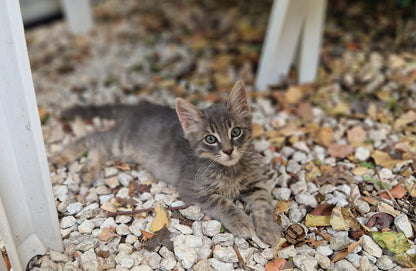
x: 269, y: 232
x: 243, y: 228
x: 60, y: 159
x: 88, y: 173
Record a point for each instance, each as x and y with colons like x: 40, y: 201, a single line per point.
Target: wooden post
x: 28, y: 217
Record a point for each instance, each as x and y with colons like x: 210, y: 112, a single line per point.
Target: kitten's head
x: 220, y: 132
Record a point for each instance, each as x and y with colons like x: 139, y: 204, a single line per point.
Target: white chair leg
x: 311, y: 40
x: 28, y: 217
x: 78, y: 15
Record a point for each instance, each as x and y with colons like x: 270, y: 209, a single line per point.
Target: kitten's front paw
x: 60, y: 159
x: 243, y: 228
x: 88, y: 173
x: 269, y: 232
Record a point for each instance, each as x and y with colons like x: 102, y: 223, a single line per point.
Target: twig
x: 146, y: 210
x: 241, y: 262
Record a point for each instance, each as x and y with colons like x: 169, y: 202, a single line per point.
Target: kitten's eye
x: 235, y: 132
x: 210, y: 139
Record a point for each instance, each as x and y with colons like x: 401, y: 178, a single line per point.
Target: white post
x: 288, y: 19
x: 28, y: 217
x: 78, y: 15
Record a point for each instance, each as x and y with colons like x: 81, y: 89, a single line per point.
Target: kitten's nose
x: 229, y: 152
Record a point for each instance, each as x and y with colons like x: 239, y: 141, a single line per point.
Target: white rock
x: 323, y: 261
x: 74, y: 208
x: 124, y: 179
x: 385, y: 263
x: 354, y: 259
x: 326, y: 189
x: 211, y: 227
x: 143, y: 267
x: 124, y: 260
x: 131, y: 239
x: 297, y: 215
x: 344, y: 265
x: 58, y: 257
x: 370, y: 246
x: 89, y: 260
x: 186, y: 255
x: 60, y: 192
x: 110, y: 171
x: 403, y: 225
x: 305, y: 262
x: 362, y: 206
x: 258, y: 258
x: 153, y: 259
x: 102, y: 190
x: 123, y: 219
x: 340, y: 240
x: 137, y: 225
x: 293, y: 167
x: 168, y: 264
x: 362, y: 153
x: 122, y: 229
x: 301, y: 145
x: 183, y: 229
x: 109, y: 222
x: 193, y: 241
x: 241, y: 243
x: 287, y: 252
x: 306, y: 199
x: 89, y: 211
x: 86, y: 227
x: 225, y: 254
x: 268, y: 253
x: 366, y: 265
x: 203, y: 265
x: 299, y: 187
x: 68, y: 221
x: 386, y: 174
x: 197, y: 229
x: 324, y: 250
x: 282, y: 193
x: 225, y: 239
x: 221, y: 266
x: 145, y: 196
x: 192, y: 212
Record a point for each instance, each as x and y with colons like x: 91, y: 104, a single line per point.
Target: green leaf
x: 367, y: 164
x: 377, y: 182
x: 396, y: 242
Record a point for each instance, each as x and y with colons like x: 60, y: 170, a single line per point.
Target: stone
x: 110, y: 172
x: 197, y: 229
x: 268, y: 253
x: 370, y: 246
x: 241, y: 243
x: 153, y: 260
x: 385, y: 263
x: 192, y: 212
x: 123, y: 219
x: 305, y: 262
x: 193, y: 241
x: 326, y: 189
x: 282, y: 193
x: 211, y: 227
x: 258, y: 258
x: 123, y: 229
x: 74, y: 208
x: 324, y: 250
x: 186, y: 255
x: 362, y: 206
x: 203, y: 265
x: 168, y: 264
x: 299, y: 187
x: 68, y: 221
x: 183, y: 229
x: 306, y: 199
x: 403, y: 225
x: 142, y: 267
x: 323, y: 261
x: 89, y: 211
x: 136, y: 226
x: 112, y: 182
x: 287, y: 252
x: 344, y: 265
x: 89, y: 261
x: 86, y: 227
x: 225, y: 239
x: 60, y: 192
x: 124, y: 179
x: 354, y: 259
x: 340, y: 240
x: 58, y: 257
x: 366, y: 265
x: 108, y: 223
x: 297, y: 215
x: 102, y: 190
x: 124, y: 260
x: 362, y: 153
x: 220, y: 266
x: 225, y: 254
x: 293, y: 167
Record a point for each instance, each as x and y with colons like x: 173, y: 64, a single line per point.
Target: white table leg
x: 28, y: 217
x: 78, y: 15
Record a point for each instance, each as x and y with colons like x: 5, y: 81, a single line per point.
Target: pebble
x: 168, y: 264
x: 293, y: 167
x: 297, y: 215
x: 86, y: 227
x: 193, y: 241
x: 241, y: 243
x: 122, y: 229
x: 370, y: 246
x: 225, y: 239
x: 354, y: 259
x: 58, y: 257
x: 89, y: 211
x: 112, y: 182
x: 323, y: 261
x: 362, y: 153
x: 108, y: 223
x: 344, y: 265
x: 60, y: 192
x: 192, y: 212
x: 340, y: 240
x: 362, y: 206
x: 220, y: 266
x: 305, y: 262
x: 124, y: 260
x: 74, y: 208
x: 282, y: 193
x: 403, y: 225
x: 385, y: 263
x: 203, y: 265
x: 103, y: 190
x: 186, y: 255
x: 183, y: 229
x: 366, y: 265
x: 225, y: 254
x: 211, y: 227
x: 325, y: 250
x: 326, y: 189
x: 68, y: 221
x: 142, y: 267
x: 89, y: 260
x: 299, y: 187
x: 197, y: 229
x: 153, y: 259
x: 306, y: 199
x: 110, y: 172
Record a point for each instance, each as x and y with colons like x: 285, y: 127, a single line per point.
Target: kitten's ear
x: 189, y: 115
x: 237, y: 101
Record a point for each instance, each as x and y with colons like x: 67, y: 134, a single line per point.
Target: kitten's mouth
x: 229, y: 160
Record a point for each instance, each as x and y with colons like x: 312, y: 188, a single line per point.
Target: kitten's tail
x: 91, y: 111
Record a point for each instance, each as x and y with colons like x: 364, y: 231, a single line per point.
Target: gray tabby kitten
x: 206, y: 153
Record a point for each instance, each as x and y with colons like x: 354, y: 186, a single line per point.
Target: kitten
x: 206, y: 153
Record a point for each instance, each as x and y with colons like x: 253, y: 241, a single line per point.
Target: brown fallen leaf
x: 397, y: 192
x: 295, y: 233
x: 337, y: 220
x: 136, y: 189
x: 257, y: 130
x: 281, y: 207
x: 380, y: 220
x: 344, y: 253
x: 122, y: 166
x: 385, y: 208
x: 356, y: 135
x: 323, y: 209
x: 161, y: 219
x: 160, y: 236
x: 147, y: 234
x: 304, y: 110
x: 335, y: 175
x: 325, y: 136
x: 275, y: 265
x: 359, y: 171
x: 326, y: 236
x: 340, y: 150
x: 383, y: 159
x: 293, y: 95
x: 107, y: 234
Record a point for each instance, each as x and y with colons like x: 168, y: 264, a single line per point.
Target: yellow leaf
x: 293, y: 95
x: 337, y: 220
x: 317, y: 220
x: 383, y: 159
x: 359, y: 171
x: 161, y: 219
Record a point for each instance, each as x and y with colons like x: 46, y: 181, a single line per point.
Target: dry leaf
x: 405, y: 119
x: 317, y: 220
x: 122, y: 166
x: 323, y: 209
x: 356, y: 135
x: 335, y: 175
x: 359, y: 171
x: 159, y: 236
x: 350, y: 219
x: 340, y: 150
x: 337, y: 220
x: 275, y: 265
x: 257, y: 130
x: 304, y: 110
x: 397, y: 192
x: 344, y: 253
x: 293, y: 95
x: 383, y: 159
x: 295, y: 233
x: 325, y: 136
x: 385, y: 208
x: 161, y: 219
x: 107, y: 234
x: 146, y: 234
x: 108, y: 206
x: 281, y: 207
x: 411, y: 189
x: 380, y: 220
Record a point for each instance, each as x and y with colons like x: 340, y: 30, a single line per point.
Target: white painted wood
x: 311, y: 41
x: 286, y: 24
x: 28, y: 217
x: 78, y: 15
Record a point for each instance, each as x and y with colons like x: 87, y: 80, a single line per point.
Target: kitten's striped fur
x: 176, y: 150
